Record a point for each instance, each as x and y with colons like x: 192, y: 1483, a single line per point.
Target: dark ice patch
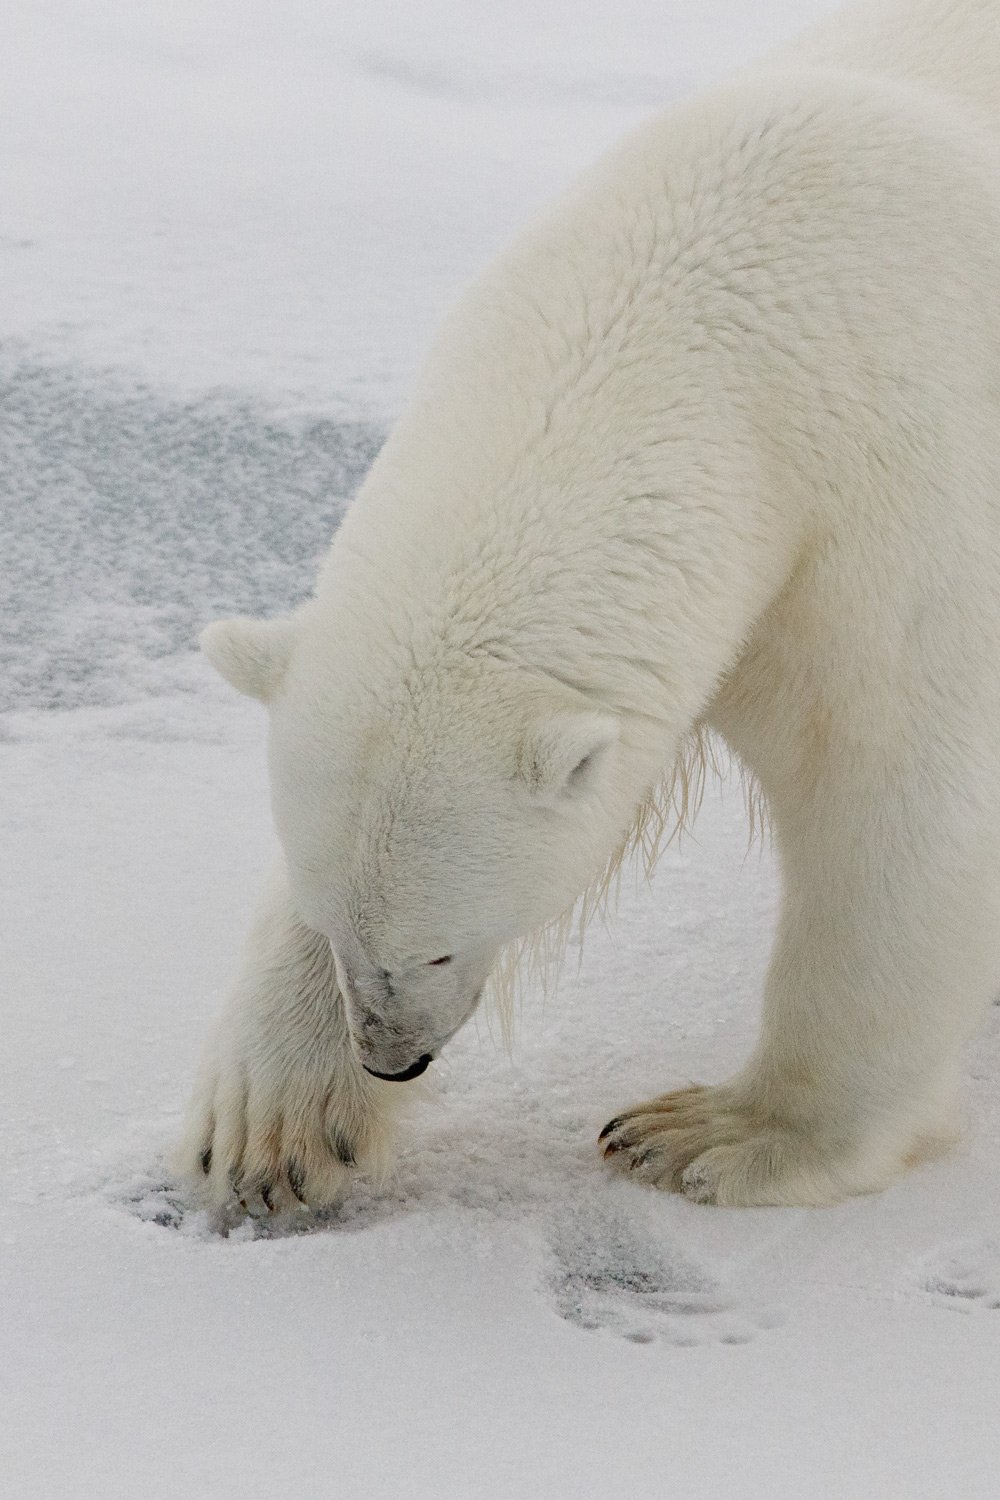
x: 130, y: 520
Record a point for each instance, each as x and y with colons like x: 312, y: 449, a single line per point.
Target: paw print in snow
x: 609, y: 1275
x: 965, y: 1275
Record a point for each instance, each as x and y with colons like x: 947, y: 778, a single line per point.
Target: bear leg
x: 888, y: 949
x: 282, y: 1109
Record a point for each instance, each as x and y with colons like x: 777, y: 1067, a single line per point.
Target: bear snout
x: 384, y: 1050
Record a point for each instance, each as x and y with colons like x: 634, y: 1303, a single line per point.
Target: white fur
x: 714, y: 447
x: 252, y: 655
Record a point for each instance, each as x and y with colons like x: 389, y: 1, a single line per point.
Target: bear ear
x: 252, y: 655
x: 563, y: 752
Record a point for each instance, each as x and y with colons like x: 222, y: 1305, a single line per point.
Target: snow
x: 226, y: 236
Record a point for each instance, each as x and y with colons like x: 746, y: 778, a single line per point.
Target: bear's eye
x: 436, y: 963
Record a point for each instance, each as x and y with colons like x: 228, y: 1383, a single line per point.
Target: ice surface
x: 226, y: 234
x: 131, y: 519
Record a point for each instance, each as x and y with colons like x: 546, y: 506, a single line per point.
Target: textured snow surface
x: 225, y: 236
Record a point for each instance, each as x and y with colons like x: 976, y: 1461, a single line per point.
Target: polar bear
x: 713, y: 448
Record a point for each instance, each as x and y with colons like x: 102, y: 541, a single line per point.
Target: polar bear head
x: 431, y: 813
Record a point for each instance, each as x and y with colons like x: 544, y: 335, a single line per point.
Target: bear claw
x: 343, y: 1149
x: 296, y: 1180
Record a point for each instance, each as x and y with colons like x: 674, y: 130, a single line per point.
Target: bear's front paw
x: 711, y: 1146
x: 264, y: 1135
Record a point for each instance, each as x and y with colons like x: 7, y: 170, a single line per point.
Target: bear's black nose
x: 413, y: 1071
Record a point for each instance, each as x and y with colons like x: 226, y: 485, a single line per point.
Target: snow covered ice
x: 226, y: 235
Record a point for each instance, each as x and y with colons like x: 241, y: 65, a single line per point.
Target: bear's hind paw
x: 703, y: 1143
